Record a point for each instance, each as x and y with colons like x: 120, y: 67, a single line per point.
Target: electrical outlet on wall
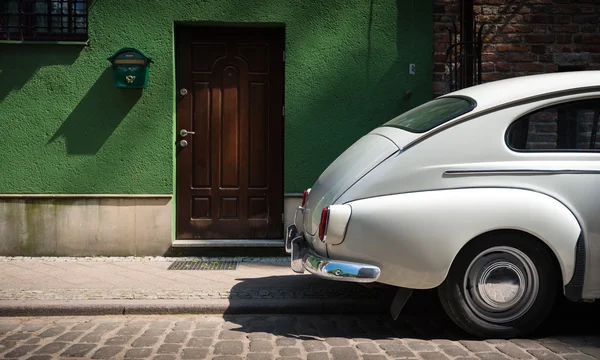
x: 411, y: 69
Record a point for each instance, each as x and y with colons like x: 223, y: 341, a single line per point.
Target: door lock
x: 184, y: 132
x: 183, y: 143
x: 183, y: 92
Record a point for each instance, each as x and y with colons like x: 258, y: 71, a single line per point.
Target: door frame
x: 185, y: 26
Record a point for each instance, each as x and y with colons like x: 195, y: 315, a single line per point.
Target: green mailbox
x: 130, y: 68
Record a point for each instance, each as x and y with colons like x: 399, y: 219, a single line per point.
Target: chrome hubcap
x: 501, y: 284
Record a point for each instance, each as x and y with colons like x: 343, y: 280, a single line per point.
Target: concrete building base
x: 85, y: 226
x: 95, y: 225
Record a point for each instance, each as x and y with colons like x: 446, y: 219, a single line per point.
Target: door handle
x: 184, y: 132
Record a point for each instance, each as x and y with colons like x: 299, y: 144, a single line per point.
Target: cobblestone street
x: 417, y: 335
x: 422, y: 331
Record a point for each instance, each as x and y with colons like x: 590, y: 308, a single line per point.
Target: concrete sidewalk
x: 93, y: 286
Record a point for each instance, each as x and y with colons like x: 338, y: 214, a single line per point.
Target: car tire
x: 502, y: 285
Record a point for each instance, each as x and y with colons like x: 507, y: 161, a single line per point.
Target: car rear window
x: 431, y: 114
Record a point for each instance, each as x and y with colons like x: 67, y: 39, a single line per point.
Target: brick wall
x: 523, y: 37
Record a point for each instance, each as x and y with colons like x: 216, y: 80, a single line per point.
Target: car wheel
x: 503, y: 285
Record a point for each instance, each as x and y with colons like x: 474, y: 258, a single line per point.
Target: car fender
x: 414, y: 237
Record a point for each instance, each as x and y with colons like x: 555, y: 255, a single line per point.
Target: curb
x: 199, y: 307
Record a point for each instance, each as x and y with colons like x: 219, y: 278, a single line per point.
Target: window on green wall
x: 43, y: 20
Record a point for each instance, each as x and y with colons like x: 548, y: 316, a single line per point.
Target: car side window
x: 571, y: 126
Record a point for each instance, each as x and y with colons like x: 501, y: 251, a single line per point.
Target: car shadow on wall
x: 97, y: 116
x: 19, y: 63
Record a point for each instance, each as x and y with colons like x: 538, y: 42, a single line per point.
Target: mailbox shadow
x: 18, y: 63
x: 96, y: 116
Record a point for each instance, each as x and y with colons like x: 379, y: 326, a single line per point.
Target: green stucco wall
x: 65, y: 128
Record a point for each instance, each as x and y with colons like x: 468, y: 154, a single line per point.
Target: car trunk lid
x: 360, y: 158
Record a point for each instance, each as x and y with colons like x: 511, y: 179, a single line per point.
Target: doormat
x: 203, y: 265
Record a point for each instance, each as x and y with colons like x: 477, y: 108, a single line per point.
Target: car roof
x: 500, y: 92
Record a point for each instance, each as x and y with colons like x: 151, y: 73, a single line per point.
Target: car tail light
x: 304, y: 196
x: 323, y: 224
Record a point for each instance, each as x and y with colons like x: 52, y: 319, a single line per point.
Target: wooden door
x: 230, y: 173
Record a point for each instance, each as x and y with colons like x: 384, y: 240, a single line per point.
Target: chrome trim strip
x: 518, y: 172
x: 340, y: 270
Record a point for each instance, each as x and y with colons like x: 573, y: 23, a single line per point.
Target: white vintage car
x: 490, y: 194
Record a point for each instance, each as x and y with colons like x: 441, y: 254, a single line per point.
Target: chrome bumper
x: 304, y: 258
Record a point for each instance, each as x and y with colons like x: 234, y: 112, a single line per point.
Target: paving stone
x: 259, y: 336
x: 229, y: 348
x: 6, y: 345
x: 138, y: 323
x: 144, y: 341
x: 129, y: 330
x: 527, y: 344
x: 40, y: 357
x: 260, y: 346
x: 421, y: 346
x: 512, y: 351
x: 138, y: 353
x: 154, y: 332
x: 176, y: 337
x: 289, y: 351
x: 18, y: 336
x: 78, y: 350
x: 374, y: 357
x: 52, y: 348
x: 229, y: 358
x: 93, y: 337
x: 344, y: 353
x: 496, y: 341
x: 491, y: 356
x: 259, y: 356
x: 33, y: 341
x: 544, y: 355
x: 396, y: 350
x: 204, y: 333
x: 118, y: 340
x: 107, y: 352
x: 317, y: 356
x: 443, y: 342
x: 578, y: 357
x: 6, y: 328
x: 20, y: 351
x: 433, y: 356
x: 190, y: 353
x: 168, y: 349
x: 283, y: 341
x: 52, y: 332
x: 199, y: 343
x: 184, y: 325
x: 559, y: 348
x: 70, y: 336
x: 337, y: 341
x: 368, y: 348
x: 231, y: 335
x: 159, y: 324
x: 476, y: 346
x: 207, y: 324
x: 313, y: 345
x: 454, y: 350
x: 32, y: 327
x: 106, y: 327
x: 83, y: 327
x: 164, y: 357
